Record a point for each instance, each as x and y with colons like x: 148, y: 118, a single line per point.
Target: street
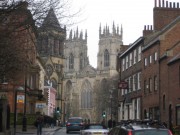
x: 63, y: 132
x: 49, y: 131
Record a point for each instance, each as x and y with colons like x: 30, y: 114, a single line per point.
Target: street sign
x: 20, y: 98
x: 40, y: 104
x: 123, y: 85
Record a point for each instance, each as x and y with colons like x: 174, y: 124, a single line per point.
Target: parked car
x: 74, y: 124
x: 94, y: 129
x: 140, y: 128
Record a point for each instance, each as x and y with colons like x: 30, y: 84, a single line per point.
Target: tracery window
x: 86, y: 95
x: 106, y: 58
x: 71, y: 61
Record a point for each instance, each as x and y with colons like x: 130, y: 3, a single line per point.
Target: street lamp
x: 15, y: 106
x: 111, y: 97
x: 24, y: 122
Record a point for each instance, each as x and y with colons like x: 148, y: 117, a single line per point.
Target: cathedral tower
x: 75, y: 51
x: 109, y: 47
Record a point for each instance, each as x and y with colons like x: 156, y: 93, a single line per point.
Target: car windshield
x: 151, y: 132
x: 96, y: 127
x: 75, y: 120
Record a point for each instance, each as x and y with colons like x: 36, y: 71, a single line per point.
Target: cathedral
x: 81, y: 90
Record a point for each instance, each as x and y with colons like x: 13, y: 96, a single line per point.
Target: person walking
x: 39, y: 121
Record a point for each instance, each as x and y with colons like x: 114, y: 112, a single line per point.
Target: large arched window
x: 86, y: 95
x: 106, y: 58
x: 71, y: 61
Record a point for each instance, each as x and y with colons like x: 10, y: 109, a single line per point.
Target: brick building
x: 22, y: 66
x: 161, y: 46
x: 130, y: 97
x: 159, y: 68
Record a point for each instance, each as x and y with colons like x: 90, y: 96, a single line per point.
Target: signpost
x: 40, y: 105
x: 20, y: 98
x: 123, y: 85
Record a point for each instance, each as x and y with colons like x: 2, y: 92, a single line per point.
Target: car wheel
x: 67, y: 131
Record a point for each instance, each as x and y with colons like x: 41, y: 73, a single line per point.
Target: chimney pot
x: 170, y: 4
x: 167, y: 4
x: 159, y: 3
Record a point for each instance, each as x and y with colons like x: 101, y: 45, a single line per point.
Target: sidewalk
x: 32, y: 130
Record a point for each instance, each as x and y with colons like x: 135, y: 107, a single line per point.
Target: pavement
x: 32, y: 130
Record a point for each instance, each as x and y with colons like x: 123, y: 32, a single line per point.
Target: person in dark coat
x: 39, y: 120
x: 110, y: 123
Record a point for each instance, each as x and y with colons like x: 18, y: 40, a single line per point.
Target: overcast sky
x: 131, y: 14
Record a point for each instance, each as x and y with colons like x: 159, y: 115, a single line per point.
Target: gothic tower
x: 75, y: 52
x: 50, y: 47
x: 51, y: 36
x: 109, y: 47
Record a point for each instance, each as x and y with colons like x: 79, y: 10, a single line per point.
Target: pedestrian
x: 110, y: 123
x: 39, y: 120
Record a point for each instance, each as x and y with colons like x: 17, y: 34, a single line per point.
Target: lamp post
x: 111, y: 107
x: 15, y: 106
x: 24, y: 122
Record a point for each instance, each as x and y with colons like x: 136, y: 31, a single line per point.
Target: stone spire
x: 121, y: 31
x: 100, y: 30
x: 86, y: 36
x: 70, y: 35
x: 51, y: 20
x: 77, y: 33
x: 81, y: 35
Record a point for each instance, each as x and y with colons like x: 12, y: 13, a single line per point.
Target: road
x: 63, y: 132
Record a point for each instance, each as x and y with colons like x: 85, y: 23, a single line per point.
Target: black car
x: 140, y: 128
x: 74, y: 124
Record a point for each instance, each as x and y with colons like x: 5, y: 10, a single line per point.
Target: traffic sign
x: 123, y: 85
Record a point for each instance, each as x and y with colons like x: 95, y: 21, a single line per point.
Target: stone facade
x: 81, y: 79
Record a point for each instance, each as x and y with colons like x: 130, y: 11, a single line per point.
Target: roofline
x: 132, y: 45
x: 157, y: 38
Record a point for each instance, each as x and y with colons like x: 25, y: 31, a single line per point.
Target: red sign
x: 123, y: 85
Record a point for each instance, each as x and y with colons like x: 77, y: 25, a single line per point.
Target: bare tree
x: 103, y: 100
x: 18, y: 26
x: 40, y: 8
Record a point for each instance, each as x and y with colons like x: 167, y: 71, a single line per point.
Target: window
x: 150, y: 85
x: 150, y: 59
x: 139, y: 53
x: 127, y: 62
x: 86, y: 95
x: 130, y: 61
x: 155, y: 83
x: 122, y: 92
x: 145, y: 62
x: 71, y: 61
x: 134, y: 57
x: 134, y: 82
x: 139, y: 81
x: 130, y: 83
x: 106, y: 58
x: 155, y: 56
